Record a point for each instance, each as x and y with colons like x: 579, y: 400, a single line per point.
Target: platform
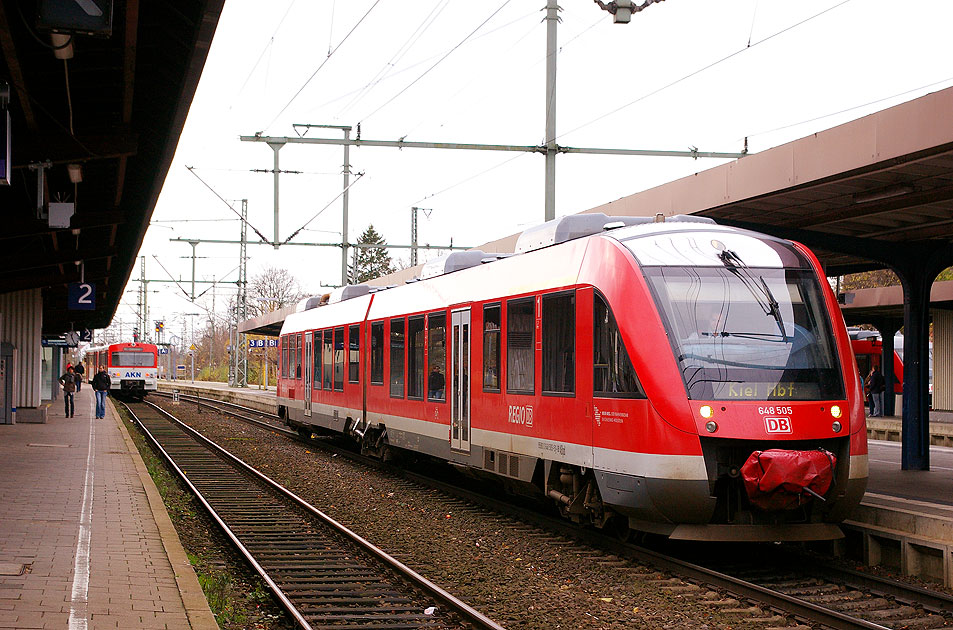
x: 251, y: 396
x: 85, y: 540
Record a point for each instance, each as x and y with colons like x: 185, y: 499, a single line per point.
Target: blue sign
x: 163, y: 351
x: 262, y: 343
x: 81, y: 296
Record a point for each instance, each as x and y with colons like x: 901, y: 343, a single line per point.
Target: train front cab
x: 133, y: 369
x: 761, y: 361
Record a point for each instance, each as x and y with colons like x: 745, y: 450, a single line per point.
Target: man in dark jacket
x: 877, y: 385
x: 68, y: 381
x: 78, y: 372
x: 101, y: 384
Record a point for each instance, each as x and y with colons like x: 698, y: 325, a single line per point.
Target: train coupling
x: 780, y: 479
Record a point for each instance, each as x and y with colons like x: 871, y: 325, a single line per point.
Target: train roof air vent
x: 312, y: 302
x: 579, y: 225
x: 449, y: 263
x: 348, y: 292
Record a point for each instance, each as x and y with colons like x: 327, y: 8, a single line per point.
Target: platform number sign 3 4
x: 81, y: 296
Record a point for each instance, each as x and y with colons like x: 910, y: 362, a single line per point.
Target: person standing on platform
x: 877, y: 385
x: 101, y: 384
x: 79, y: 371
x: 68, y: 381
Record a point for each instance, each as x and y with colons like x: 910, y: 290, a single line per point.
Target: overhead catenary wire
x: 416, y: 64
x: 268, y: 46
x: 702, y: 69
x: 321, y: 65
x: 398, y: 55
x: 326, y: 206
x: 230, y: 206
x: 852, y: 108
x: 473, y: 78
x: 439, y: 61
x: 181, y: 288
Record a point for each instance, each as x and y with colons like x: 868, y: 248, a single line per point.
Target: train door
x: 308, y: 372
x: 460, y: 380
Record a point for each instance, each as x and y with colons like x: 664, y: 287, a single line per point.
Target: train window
x: 377, y: 353
x: 740, y: 333
x: 613, y: 375
x: 316, y: 355
x: 133, y: 359
x: 339, y: 359
x: 491, y: 348
x: 437, y: 357
x: 327, y: 349
x: 397, y: 358
x: 284, y: 356
x: 299, y: 349
x: 559, y: 343
x: 415, y: 357
x: 293, y: 353
x: 354, y: 354
x: 520, y: 342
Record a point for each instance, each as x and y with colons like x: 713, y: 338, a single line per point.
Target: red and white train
x: 631, y: 370
x: 133, y: 368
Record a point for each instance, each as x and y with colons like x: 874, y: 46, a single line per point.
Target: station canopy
x: 110, y: 116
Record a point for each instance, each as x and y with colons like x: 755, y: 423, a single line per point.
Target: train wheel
x: 620, y: 527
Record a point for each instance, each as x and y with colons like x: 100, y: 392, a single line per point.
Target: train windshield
x: 741, y: 333
x: 133, y: 359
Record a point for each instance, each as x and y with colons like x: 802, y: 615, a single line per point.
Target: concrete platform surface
x: 85, y: 541
x: 886, y: 477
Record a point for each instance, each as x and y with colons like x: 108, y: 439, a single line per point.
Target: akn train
x: 626, y: 369
x: 132, y: 367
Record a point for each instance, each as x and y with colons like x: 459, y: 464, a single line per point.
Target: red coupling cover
x: 778, y: 479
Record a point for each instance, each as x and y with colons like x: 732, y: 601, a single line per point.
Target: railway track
x: 824, y: 596
x: 323, y: 574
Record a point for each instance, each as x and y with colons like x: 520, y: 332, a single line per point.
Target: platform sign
x: 180, y: 367
x: 81, y: 296
x: 86, y: 17
x: 163, y: 351
x: 86, y: 335
x: 262, y: 343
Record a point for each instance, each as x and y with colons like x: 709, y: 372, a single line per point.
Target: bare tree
x: 272, y: 289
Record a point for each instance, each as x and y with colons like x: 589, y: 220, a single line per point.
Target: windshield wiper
x: 756, y: 286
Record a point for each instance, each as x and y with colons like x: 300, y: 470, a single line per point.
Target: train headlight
x: 836, y: 426
x: 836, y: 411
x: 711, y: 426
x: 706, y: 411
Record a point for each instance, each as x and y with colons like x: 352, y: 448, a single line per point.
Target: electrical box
x: 60, y: 214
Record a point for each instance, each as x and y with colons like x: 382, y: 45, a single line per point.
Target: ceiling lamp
x: 62, y: 45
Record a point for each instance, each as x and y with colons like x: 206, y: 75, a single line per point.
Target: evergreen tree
x: 372, y: 262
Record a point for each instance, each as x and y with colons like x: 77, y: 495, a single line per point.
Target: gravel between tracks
x: 515, y: 574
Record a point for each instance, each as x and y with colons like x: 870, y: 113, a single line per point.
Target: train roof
x: 558, y: 248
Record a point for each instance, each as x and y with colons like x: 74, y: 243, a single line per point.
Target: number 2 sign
x: 81, y: 296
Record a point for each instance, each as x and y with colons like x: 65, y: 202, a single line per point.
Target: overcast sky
x: 683, y: 73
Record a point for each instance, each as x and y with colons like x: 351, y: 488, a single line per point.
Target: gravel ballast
x: 516, y: 574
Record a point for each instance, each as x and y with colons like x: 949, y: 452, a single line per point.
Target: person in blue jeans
x: 101, y: 383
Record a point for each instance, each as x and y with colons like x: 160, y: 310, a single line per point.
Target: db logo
x: 778, y: 425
